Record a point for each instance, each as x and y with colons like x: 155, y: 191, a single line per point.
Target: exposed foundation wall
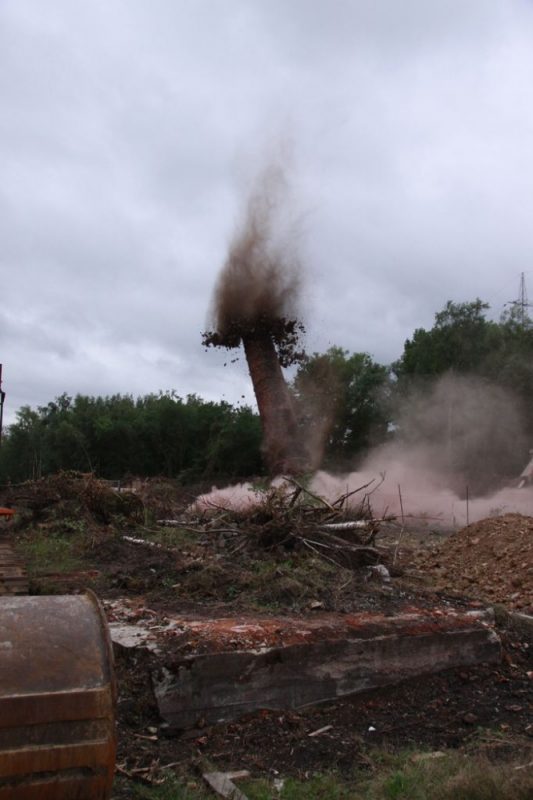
x: 365, y: 653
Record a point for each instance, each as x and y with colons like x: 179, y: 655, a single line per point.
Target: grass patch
x: 171, y: 789
x: 294, y: 581
x: 45, y: 551
x: 173, y: 538
x: 408, y: 776
x: 318, y: 787
x: 455, y: 776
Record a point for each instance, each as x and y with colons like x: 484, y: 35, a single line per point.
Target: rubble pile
x: 290, y: 517
x: 70, y: 493
x: 491, y: 559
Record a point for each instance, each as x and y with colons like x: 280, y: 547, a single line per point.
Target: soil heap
x: 491, y: 559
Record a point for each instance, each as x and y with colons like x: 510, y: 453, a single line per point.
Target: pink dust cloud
x: 460, y: 434
x: 424, y: 501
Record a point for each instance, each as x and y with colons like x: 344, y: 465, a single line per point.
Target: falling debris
x: 255, y: 305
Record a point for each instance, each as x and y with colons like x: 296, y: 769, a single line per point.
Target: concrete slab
x: 243, y: 665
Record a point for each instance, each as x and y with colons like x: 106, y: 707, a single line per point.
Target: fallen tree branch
x: 349, y: 548
x: 347, y: 526
x: 311, y: 494
x: 342, y: 499
x: 318, y: 553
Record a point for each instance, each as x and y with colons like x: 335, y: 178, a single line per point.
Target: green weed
x: 453, y: 776
x: 46, y: 551
x: 172, y: 789
x: 173, y: 538
x: 319, y: 787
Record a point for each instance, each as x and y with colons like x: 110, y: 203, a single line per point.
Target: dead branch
x: 311, y: 494
x: 300, y: 518
x: 342, y: 499
x: 347, y: 548
x: 318, y: 553
x: 347, y: 526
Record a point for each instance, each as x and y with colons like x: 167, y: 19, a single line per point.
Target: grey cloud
x: 130, y: 128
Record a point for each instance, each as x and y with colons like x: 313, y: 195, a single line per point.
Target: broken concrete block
x: 222, y: 783
x: 311, y: 661
x: 522, y: 624
x: 129, y: 636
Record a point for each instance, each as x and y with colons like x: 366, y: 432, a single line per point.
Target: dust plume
x: 318, y: 395
x: 260, y: 281
x: 462, y: 436
x: 467, y: 430
x: 255, y: 304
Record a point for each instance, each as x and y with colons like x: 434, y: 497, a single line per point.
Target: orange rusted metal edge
x: 13, y: 576
x: 108, y: 644
x: 57, y: 699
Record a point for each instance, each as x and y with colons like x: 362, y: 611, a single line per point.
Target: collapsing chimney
x: 254, y: 305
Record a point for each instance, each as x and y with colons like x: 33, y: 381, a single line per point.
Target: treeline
x: 119, y: 435
x: 346, y: 403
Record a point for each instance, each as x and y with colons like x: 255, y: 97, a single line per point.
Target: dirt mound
x: 72, y: 494
x: 491, y: 559
x: 167, y: 498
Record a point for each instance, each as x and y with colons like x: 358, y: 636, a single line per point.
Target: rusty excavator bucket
x: 57, y: 688
x: 57, y: 699
x: 13, y: 577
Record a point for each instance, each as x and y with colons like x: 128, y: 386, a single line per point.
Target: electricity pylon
x: 522, y: 303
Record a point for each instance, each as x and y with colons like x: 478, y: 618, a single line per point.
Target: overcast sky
x: 129, y: 130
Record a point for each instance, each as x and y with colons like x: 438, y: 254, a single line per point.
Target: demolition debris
x: 254, y: 306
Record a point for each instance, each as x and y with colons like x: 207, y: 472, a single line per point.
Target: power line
x: 522, y: 303
x: 2, y: 398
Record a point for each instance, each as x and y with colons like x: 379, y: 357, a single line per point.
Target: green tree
x: 343, y: 404
x: 461, y: 339
x: 151, y: 435
x: 464, y: 342
x: 21, y: 454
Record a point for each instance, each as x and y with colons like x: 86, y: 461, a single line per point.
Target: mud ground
x: 446, y: 710
x: 205, y: 572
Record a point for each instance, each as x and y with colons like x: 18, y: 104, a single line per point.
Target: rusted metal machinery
x: 57, y: 699
x: 13, y: 578
x: 57, y: 691
x: 57, y: 688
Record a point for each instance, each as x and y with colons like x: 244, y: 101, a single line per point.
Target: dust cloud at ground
x: 462, y: 435
x: 240, y: 497
x: 463, y: 432
x: 466, y: 429
x: 424, y: 501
